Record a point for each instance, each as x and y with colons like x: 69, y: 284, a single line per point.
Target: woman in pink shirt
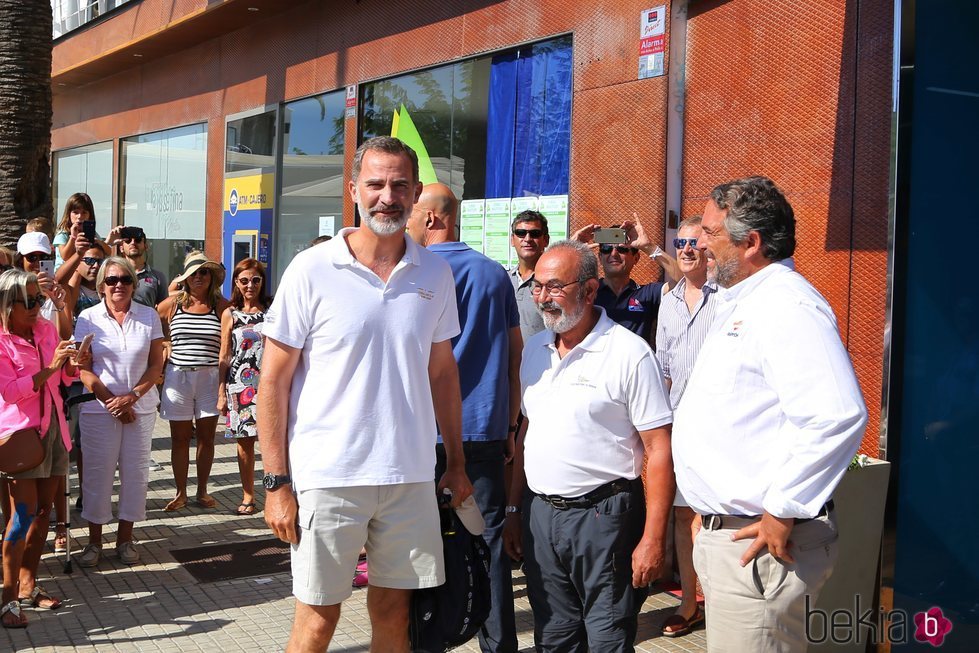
x: 34, y: 363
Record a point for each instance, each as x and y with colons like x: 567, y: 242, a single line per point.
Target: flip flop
x: 13, y: 608
x: 37, y: 596
x: 681, y: 626
x: 207, y: 502
x: 246, y: 509
x: 175, y: 505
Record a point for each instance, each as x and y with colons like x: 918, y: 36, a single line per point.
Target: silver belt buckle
x: 713, y: 522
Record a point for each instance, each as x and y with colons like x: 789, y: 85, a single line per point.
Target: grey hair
x: 757, y: 204
x: 13, y: 286
x: 692, y: 221
x: 587, y: 261
x: 118, y: 261
x: 388, y: 145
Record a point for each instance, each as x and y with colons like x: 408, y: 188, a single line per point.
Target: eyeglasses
x: 554, y: 288
x: 92, y: 261
x: 200, y: 272
x: 36, y: 256
x: 31, y: 302
x: 681, y: 243
x: 133, y: 239
x: 125, y: 280
x: 607, y: 248
x: 533, y: 233
x: 254, y: 281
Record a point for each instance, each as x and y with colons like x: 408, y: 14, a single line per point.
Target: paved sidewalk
x: 158, y: 606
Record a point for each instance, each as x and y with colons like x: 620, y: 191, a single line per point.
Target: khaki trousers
x: 760, y: 608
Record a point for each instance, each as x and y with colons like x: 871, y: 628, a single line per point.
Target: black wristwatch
x: 272, y: 481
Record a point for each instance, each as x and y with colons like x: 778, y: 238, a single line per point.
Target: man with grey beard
x: 595, y: 403
x: 358, y: 340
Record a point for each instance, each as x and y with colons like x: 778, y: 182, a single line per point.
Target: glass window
x: 312, y: 174
x: 251, y: 143
x: 72, y: 14
x: 85, y: 169
x: 163, y: 178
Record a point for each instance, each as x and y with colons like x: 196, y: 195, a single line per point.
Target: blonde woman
x: 192, y: 325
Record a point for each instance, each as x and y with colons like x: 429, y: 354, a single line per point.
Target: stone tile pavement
x: 158, y: 606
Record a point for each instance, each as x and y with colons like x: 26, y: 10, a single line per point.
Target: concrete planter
x: 859, y: 503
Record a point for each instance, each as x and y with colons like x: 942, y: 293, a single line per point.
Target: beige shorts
x: 398, y: 525
x: 55, y: 461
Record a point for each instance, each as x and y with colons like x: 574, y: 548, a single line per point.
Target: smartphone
x: 86, y: 343
x: 48, y: 266
x: 88, y: 228
x: 609, y: 236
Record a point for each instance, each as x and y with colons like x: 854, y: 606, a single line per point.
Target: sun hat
x: 197, y: 260
x: 35, y: 241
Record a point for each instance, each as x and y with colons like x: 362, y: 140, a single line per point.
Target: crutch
x: 71, y: 402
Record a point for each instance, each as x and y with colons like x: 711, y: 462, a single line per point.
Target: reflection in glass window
x: 312, y: 173
x: 85, y: 169
x: 163, y: 179
x: 251, y: 143
x: 493, y: 126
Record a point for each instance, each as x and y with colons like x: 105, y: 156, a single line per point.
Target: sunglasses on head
x: 607, y: 248
x: 254, y: 281
x: 125, y: 280
x: 681, y: 243
x: 37, y: 256
x: 533, y: 233
x: 92, y: 261
x: 31, y: 302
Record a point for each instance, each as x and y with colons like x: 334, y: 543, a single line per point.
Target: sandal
x: 678, y: 626
x: 13, y: 608
x: 246, y: 509
x: 40, y: 599
x: 175, y: 505
x: 206, y: 501
x: 60, y: 538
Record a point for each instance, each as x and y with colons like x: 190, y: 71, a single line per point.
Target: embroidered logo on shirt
x: 426, y: 294
x: 734, y: 329
x: 583, y: 381
x: 635, y: 306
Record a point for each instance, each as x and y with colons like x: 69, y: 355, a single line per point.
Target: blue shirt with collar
x: 635, y: 307
x: 487, y: 312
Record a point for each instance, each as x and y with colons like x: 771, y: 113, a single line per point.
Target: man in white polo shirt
x: 595, y: 403
x: 771, y: 416
x: 358, y: 341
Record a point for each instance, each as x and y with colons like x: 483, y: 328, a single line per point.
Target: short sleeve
x: 60, y: 238
x: 448, y: 323
x: 646, y: 396
x: 289, y: 318
x: 156, y: 325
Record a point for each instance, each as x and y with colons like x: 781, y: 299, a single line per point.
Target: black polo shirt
x: 635, y: 309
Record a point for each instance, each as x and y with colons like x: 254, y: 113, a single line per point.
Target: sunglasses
x: 92, y: 261
x: 31, y: 302
x: 125, y: 280
x: 681, y: 243
x: 254, y: 281
x: 523, y: 233
x: 606, y: 248
x: 200, y: 272
x: 133, y: 239
x: 35, y: 257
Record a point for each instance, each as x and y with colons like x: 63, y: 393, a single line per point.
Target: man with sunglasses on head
x: 528, y: 235
x: 151, y: 285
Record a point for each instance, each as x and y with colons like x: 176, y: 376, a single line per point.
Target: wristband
x: 512, y: 510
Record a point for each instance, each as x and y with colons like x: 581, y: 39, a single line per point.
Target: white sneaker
x: 90, y: 555
x: 155, y: 466
x: 127, y: 553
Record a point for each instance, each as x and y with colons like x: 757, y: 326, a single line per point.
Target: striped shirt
x: 680, y: 334
x: 195, y: 340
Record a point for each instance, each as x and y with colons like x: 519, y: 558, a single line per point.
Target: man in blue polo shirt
x: 633, y: 306
x: 488, y: 355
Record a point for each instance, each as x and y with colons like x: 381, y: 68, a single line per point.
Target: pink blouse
x: 20, y: 406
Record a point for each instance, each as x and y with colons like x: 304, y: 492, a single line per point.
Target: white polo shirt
x: 586, y: 409
x: 772, y: 413
x: 360, y: 409
x: 121, y: 353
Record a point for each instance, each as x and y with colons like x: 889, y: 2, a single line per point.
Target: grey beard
x: 384, y: 228
x: 563, y: 322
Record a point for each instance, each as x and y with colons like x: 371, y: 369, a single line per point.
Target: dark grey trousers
x: 578, y: 564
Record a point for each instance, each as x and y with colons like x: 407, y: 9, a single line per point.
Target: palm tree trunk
x: 25, y: 115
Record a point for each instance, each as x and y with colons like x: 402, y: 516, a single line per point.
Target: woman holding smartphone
x: 76, y: 233
x: 117, y: 430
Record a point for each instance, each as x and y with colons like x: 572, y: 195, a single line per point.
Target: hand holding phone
x: 609, y: 236
x: 88, y: 228
x: 86, y: 343
x: 47, y: 266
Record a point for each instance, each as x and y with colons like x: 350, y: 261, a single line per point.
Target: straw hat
x: 198, y: 260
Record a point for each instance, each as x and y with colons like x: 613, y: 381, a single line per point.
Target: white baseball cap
x: 35, y: 241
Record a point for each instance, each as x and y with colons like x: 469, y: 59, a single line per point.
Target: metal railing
x: 69, y: 15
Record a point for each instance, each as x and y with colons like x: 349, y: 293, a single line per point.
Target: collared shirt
x: 20, y: 403
x: 487, y: 312
x: 531, y: 322
x: 772, y: 414
x: 634, y: 308
x: 586, y: 409
x: 151, y: 287
x: 680, y: 334
x: 360, y: 407
x: 121, y: 352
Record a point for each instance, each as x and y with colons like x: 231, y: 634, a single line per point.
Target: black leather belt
x: 588, y: 500
x: 717, y: 522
